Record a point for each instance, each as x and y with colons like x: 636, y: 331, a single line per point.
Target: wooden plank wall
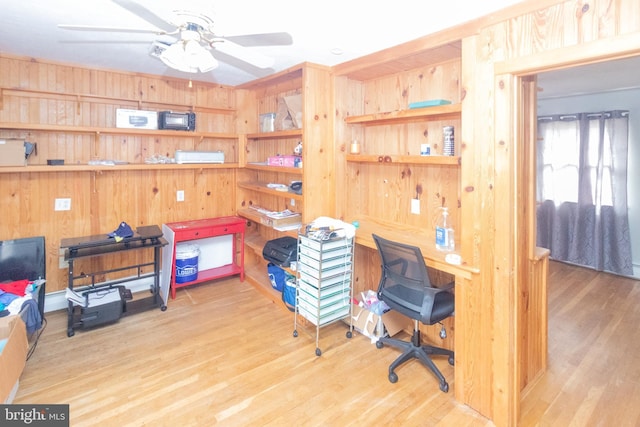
x: 319, y: 186
x: 557, y: 34
x: 36, y: 92
x: 384, y: 191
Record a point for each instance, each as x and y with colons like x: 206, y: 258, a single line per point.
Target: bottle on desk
x: 444, y: 232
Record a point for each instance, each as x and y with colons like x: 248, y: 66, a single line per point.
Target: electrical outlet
x: 62, y: 205
x: 415, y: 206
x: 180, y: 195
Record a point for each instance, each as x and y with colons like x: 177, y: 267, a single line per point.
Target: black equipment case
x: 281, y: 251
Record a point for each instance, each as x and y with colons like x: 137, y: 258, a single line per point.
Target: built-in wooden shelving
x: 398, y: 159
x: 30, y: 127
x: 440, y: 112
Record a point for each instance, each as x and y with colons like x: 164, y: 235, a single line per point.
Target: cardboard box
x: 13, y: 356
x: 374, y: 326
x: 395, y: 322
x: 275, y: 219
x: 12, y: 152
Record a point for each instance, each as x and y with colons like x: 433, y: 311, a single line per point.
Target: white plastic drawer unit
x: 325, y: 245
x: 325, y: 274
x: 312, y: 276
x: 325, y: 291
x: 326, y: 316
x: 325, y: 263
x: 333, y: 295
x: 325, y: 254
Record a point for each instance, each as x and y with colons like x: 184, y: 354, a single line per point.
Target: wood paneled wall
x: 38, y: 93
x: 385, y: 191
x: 497, y: 52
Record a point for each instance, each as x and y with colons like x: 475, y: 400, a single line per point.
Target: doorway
x: 555, y: 80
x: 603, y: 86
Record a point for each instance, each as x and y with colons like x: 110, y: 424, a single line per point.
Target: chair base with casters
x: 414, y: 349
x: 405, y: 287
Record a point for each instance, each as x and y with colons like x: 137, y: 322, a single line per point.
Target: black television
x: 24, y: 259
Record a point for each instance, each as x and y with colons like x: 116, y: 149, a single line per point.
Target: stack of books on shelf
x: 280, y: 220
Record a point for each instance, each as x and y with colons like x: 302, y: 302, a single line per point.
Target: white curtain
x: 582, y: 214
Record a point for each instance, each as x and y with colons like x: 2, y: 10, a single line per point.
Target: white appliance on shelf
x: 199, y: 156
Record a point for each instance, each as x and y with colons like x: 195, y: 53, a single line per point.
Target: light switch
x: 415, y: 206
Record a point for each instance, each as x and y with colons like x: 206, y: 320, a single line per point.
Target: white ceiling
x: 356, y: 27
x: 621, y: 74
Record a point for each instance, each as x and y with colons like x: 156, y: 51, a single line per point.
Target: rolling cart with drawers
x: 324, y: 280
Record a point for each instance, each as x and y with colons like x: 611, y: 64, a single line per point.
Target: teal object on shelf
x: 429, y: 103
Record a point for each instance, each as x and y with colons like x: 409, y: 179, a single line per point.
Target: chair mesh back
x: 404, y: 277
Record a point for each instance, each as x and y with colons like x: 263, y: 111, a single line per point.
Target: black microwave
x: 176, y: 121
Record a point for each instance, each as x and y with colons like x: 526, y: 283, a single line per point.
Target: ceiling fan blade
x: 244, y: 54
x: 264, y: 39
x: 103, y: 42
x: 234, y: 62
x: 110, y: 29
x: 146, y: 14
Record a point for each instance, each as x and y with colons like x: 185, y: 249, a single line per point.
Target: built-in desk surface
x: 412, y: 236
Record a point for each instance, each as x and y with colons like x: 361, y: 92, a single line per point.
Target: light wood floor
x: 224, y: 355
x: 593, y: 375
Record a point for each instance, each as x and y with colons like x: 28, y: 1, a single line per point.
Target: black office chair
x: 405, y: 287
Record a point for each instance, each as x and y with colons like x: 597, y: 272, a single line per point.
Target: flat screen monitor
x: 24, y: 259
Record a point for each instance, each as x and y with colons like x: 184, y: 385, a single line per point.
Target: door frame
x: 521, y: 72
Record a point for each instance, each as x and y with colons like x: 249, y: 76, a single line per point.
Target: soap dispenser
x: 444, y: 232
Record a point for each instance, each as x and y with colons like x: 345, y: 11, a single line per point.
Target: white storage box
x: 136, y: 119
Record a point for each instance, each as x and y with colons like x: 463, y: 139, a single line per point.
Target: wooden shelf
x: 267, y: 168
x: 281, y: 134
x: 113, y: 131
x: 133, y: 102
x: 255, y: 241
x: 440, y: 112
x: 258, y: 218
x: 257, y: 276
x: 97, y: 131
x: 261, y: 187
x: 115, y: 168
x: 397, y: 159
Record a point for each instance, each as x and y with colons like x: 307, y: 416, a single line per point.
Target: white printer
x: 199, y: 156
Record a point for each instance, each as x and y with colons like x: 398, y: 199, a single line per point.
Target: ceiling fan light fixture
x: 199, y: 57
x: 190, y: 34
x: 188, y: 56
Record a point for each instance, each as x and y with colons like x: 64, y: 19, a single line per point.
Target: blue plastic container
x: 186, y: 263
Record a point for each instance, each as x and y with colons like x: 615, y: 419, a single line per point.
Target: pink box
x: 286, y: 161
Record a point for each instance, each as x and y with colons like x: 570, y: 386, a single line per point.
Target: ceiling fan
x: 194, y: 45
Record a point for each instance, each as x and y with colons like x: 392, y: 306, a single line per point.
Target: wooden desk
x: 464, y: 274
x: 413, y: 236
